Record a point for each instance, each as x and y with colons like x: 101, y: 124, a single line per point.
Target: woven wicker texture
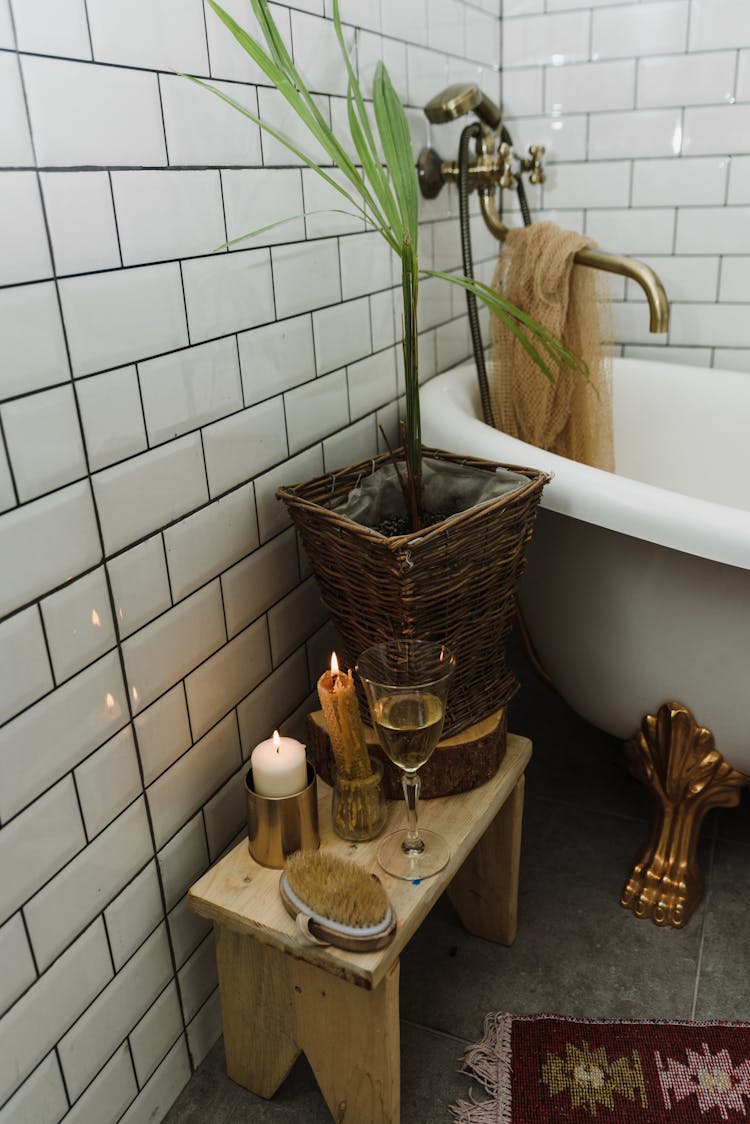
x: 454, y: 582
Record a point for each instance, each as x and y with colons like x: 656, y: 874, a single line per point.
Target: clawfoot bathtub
x: 637, y: 593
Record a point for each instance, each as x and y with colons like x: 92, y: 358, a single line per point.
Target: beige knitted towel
x: 574, y: 417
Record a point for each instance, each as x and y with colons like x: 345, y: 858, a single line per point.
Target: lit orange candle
x: 338, y: 699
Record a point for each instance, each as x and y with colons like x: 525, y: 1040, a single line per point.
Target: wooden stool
x: 340, y: 1008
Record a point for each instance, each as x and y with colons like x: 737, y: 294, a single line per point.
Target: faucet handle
x: 505, y: 155
x: 533, y: 164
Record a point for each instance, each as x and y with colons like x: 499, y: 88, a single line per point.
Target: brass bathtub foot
x: 678, y: 761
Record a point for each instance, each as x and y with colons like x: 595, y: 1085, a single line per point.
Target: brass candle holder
x: 279, y: 825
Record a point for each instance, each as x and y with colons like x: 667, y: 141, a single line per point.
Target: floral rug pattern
x: 547, y: 1068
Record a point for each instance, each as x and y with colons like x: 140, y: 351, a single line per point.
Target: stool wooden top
x: 242, y: 895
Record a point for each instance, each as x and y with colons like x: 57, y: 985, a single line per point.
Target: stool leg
x: 257, y: 1011
x: 484, y: 892
x: 350, y: 1037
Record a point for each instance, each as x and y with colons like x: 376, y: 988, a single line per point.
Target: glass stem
x: 411, y: 785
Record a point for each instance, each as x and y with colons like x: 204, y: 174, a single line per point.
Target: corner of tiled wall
x: 156, y: 615
x: 645, y: 112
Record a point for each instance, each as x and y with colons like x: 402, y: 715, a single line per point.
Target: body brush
x: 336, y: 902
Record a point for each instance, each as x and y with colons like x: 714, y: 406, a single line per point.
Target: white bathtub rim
x: 695, y: 526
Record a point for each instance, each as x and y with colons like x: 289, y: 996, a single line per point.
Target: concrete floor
x: 577, y: 951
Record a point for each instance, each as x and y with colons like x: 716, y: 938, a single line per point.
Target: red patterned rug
x: 541, y: 1069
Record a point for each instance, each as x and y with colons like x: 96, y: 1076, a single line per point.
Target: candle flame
x: 334, y: 664
x: 276, y: 740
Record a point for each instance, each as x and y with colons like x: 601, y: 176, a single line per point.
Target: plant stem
x: 413, y: 443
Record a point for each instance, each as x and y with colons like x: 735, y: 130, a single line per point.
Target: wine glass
x: 406, y: 682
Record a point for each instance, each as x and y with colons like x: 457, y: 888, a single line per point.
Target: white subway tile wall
x: 157, y: 615
x: 646, y: 120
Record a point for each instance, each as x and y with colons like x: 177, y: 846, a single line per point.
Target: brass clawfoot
x: 678, y: 761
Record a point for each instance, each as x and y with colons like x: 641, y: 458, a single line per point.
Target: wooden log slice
x: 459, y: 763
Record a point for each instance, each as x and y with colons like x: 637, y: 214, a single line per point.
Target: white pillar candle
x: 279, y: 767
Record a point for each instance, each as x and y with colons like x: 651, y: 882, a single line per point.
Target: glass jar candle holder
x: 358, y: 807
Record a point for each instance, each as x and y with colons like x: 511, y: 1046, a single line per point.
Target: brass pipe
x: 597, y: 259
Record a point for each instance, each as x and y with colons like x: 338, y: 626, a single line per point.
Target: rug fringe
x: 489, y: 1061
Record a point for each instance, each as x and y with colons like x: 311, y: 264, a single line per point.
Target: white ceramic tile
x: 170, y: 647
x: 274, y: 109
x: 294, y: 618
x: 79, y: 892
x: 33, y: 343
x: 693, y: 356
x: 115, y: 1012
x: 372, y: 383
x: 81, y: 220
x: 7, y: 36
x: 184, y: 788
x: 357, y: 13
x: 270, y: 704
x: 564, y: 138
x: 204, y: 544
x: 305, y: 277
x: 109, y: 1094
x: 702, y: 325
x: 197, y: 978
x: 183, y: 859
x: 383, y: 318
x: 276, y: 357
x: 482, y: 37
x: 163, y: 733
x: 658, y: 28
x: 43, y: 439
x: 46, y: 543
x: 163, y: 215
x: 162, y: 1089
x: 7, y: 491
x: 405, y: 21
x: 202, y: 129
x: 272, y: 516
x: 685, y: 79
x: 254, y: 584
x: 641, y: 231
x: 228, y: 59
x: 731, y: 359
x: 157, y: 1031
x: 226, y: 814
x: 24, y: 253
x: 342, y: 334
x: 452, y: 343
x: 64, y: 727
x: 255, y: 198
x: 546, y: 40
x: 372, y: 49
x: 24, y: 665
x: 114, y: 318
x: 186, y: 928
x: 133, y: 914
x: 316, y: 410
x: 367, y: 264
x: 427, y: 74
x: 108, y: 781
x: 33, y: 1026
x: 224, y: 679
x: 714, y: 128
x: 327, y: 211
x: 227, y: 292
x: 148, y: 491
x: 588, y: 185
x: 589, y: 86
x: 684, y: 278
x: 205, y: 1028
x: 317, y: 53
x: 18, y: 965
x: 112, y: 416
x: 643, y: 132
x: 93, y: 115
x: 158, y: 34
x: 735, y: 279
x: 78, y: 624
x: 348, y: 445
x: 52, y: 27
x: 718, y: 23
x: 713, y: 230
x: 189, y: 388
x: 743, y: 75
x: 523, y: 90
x: 40, y: 1100
x: 140, y: 585
x: 679, y: 182
x: 244, y: 444
x: 739, y: 180
x: 15, y: 139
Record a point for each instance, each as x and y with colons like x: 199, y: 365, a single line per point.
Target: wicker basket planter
x: 455, y: 581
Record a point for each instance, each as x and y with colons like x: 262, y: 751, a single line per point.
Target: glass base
x: 413, y: 866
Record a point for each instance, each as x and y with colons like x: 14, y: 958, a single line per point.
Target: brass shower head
x: 459, y: 99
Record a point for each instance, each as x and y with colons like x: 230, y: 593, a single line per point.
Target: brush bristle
x: 337, y: 889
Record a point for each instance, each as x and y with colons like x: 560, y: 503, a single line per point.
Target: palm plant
x: 381, y: 188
